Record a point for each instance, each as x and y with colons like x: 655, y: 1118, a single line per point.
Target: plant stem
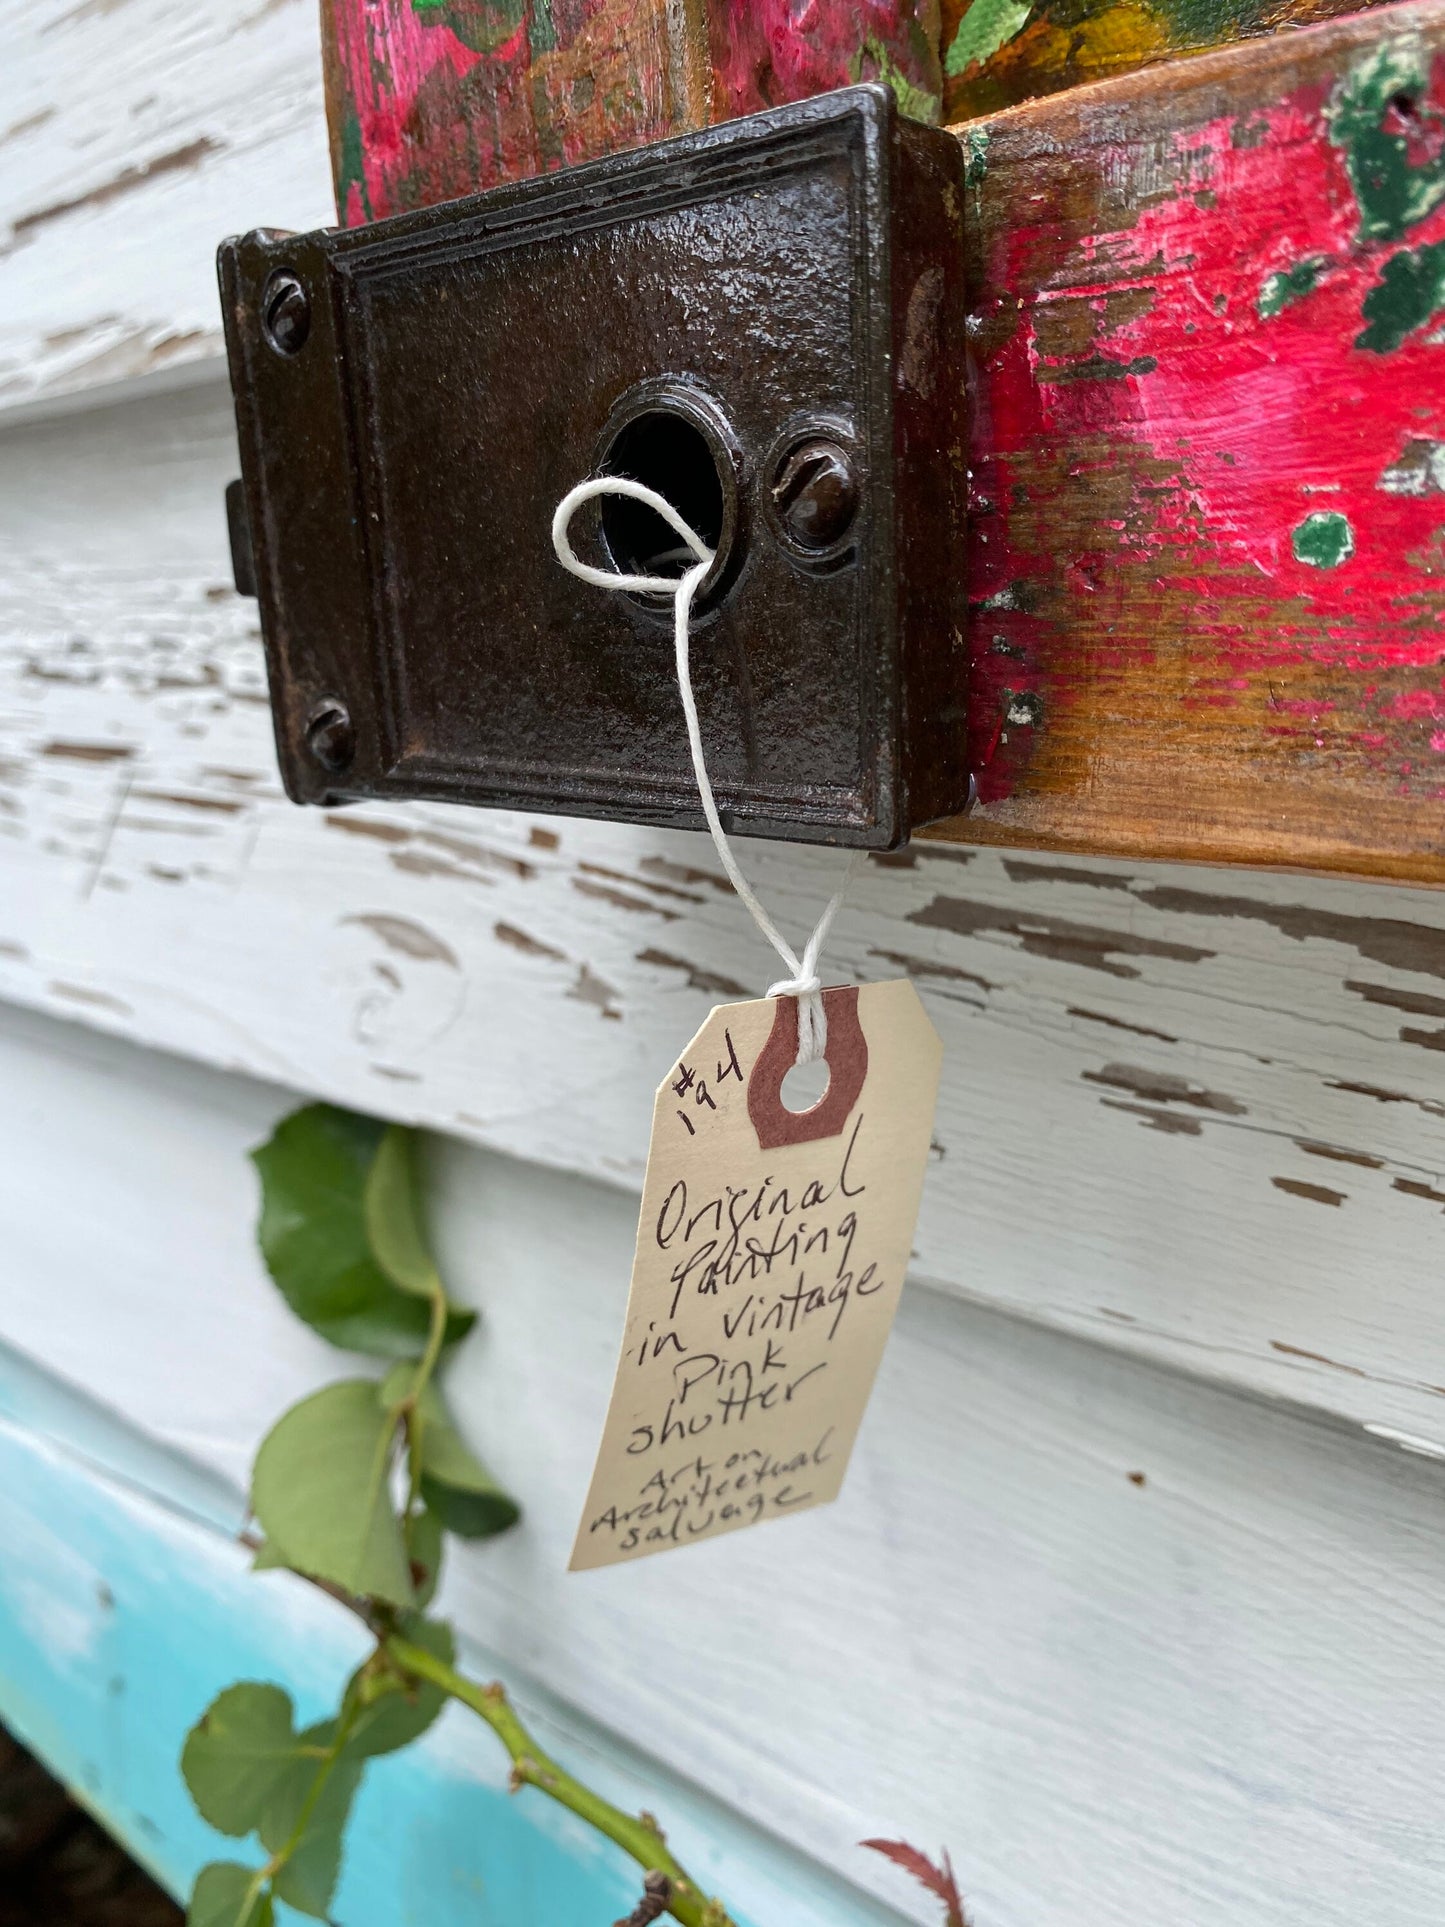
x: 346, y: 1719
x: 639, y: 1836
x: 406, y: 1409
x: 435, y: 1335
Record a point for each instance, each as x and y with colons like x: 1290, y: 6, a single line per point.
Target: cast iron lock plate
x: 764, y: 322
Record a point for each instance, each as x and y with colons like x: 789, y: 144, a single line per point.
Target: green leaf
x: 308, y: 1879
x: 456, y: 1485
x: 393, y: 1215
x: 473, y: 1514
x: 987, y: 26
x: 270, y: 1558
x: 219, y: 1898
x: 321, y: 1490
x: 313, y: 1233
x: 399, y: 1717
x: 235, y: 1752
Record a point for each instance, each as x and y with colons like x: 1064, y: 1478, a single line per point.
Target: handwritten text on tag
x: 771, y: 1249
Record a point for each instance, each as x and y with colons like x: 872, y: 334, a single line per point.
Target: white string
x: 804, y: 983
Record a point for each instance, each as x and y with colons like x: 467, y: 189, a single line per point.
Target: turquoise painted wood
x: 126, y: 1604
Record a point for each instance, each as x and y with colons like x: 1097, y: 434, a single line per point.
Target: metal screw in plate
x: 285, y: 313
x: 330, y: 737
x: 816, y: 494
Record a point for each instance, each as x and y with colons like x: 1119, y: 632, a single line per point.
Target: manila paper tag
x: 771, y: 1249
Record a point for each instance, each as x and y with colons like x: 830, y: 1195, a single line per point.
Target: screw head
x: 285, y: 313
x: 816, y: 494
x: 330, y: 738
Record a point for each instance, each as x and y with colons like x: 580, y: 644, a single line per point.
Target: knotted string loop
x: 804, y: 982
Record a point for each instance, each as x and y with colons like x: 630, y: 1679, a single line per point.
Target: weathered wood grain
x: 131, y: 139
x: 1137, y: 1650
x: 1204, y: 545
x: 429, y: 99
x: 1195, y: 1115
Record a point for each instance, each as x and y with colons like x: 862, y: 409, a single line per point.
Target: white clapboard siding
x: 1138, y: 1650
x: 1195, y: 1114
x: 132, y: 139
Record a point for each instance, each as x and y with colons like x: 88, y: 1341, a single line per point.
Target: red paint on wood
x: 1207, y: 550
x: 431, y: 99
x: 768, y: 51
x: 1196, y: 501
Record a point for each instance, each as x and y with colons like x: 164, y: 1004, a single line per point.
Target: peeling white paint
x: 132, y: 141
x: 1193, y: 1114
x: 1408, y: 1441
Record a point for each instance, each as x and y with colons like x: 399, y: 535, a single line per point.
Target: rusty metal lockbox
x: 763, y: 321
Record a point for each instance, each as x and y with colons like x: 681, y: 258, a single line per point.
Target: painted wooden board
x: 429, y: 99
x: 1138, y: 1650
x: 131, y: 139
x: 1203, y: 544
x: 1264, y: 1053
x: 121, y: 1618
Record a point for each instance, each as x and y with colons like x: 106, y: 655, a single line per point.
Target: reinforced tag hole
x: 806, y: 1085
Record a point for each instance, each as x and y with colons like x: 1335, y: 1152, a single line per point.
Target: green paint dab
x: 1410, y: 289
x: 987, y: 26
x: 351, y: 165
x: 483, y: 25
x: 975, y: 147
x: 1324, y: 540
x: 1290, y: 285
x: 1366, y: 125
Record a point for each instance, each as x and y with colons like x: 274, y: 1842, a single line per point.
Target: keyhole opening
x: 666, y: 452
x: 806, y: 1085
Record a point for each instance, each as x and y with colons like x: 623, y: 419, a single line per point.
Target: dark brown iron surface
x: 752, y: 320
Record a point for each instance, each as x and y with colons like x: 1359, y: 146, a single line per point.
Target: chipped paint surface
x: 1118, y: 1032
x: 1128, y: 1045
x: 131, y: 140
x: 1205, y: 513
x: 429, y: 99
x: 767, y: 51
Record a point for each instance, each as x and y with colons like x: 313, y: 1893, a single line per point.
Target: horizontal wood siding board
x: 1207, y: 614
x: 131, y: 140
x: 1136, y: 1649
x: 1117, y: 1035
